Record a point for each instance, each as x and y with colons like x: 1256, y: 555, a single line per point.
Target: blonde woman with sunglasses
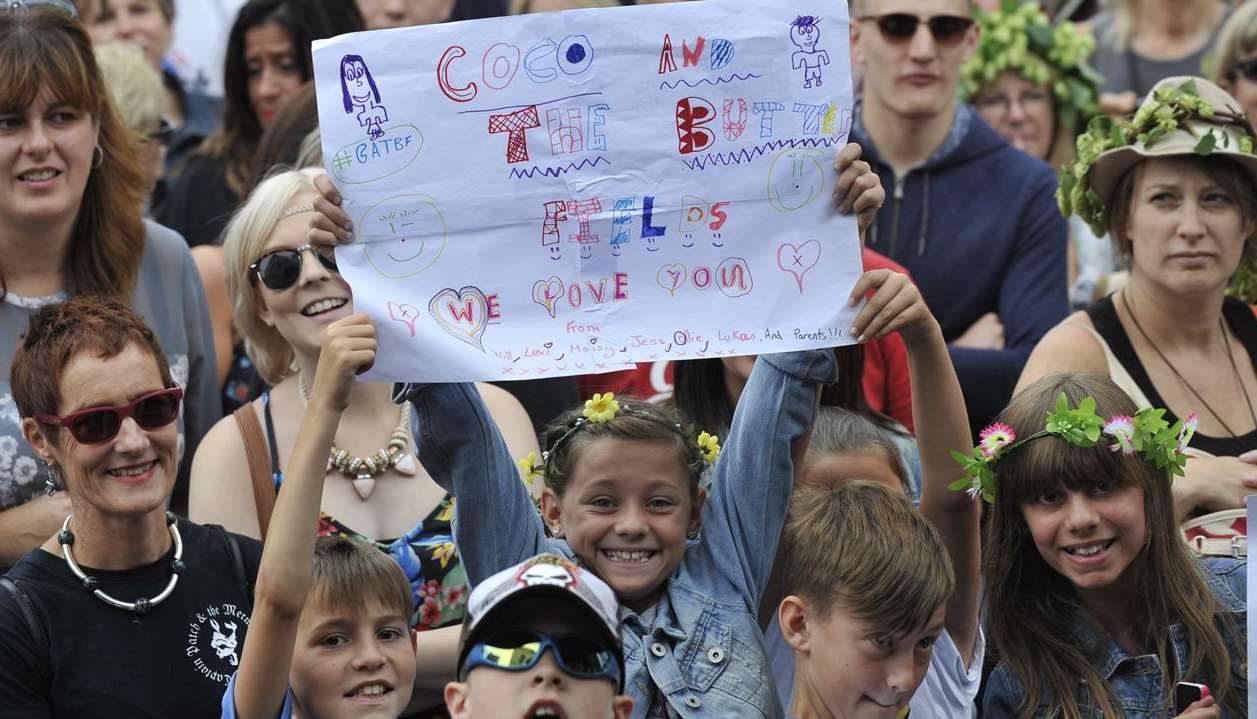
x: 285, y: 291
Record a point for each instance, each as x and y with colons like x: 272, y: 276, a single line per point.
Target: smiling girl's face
x: 627, y: 511
x: 1090, y: 536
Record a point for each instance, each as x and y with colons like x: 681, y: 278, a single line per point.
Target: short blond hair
x: 861, y: 547
x: 134, y: 86
x: 243, y: 242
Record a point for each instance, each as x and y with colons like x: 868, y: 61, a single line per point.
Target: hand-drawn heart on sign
x: 797, y: 260
x: 463, y: 313
x: 547, y: 292
x: 671, y: 277
x: 405, y: 314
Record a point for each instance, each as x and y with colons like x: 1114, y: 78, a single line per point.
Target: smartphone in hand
x: 1188, y: 693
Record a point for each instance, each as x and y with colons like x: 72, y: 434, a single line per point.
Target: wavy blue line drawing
x: 747, y: 155
x: 517, y: 173
x: 707, y: 81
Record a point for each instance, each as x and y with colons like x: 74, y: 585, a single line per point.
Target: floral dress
x: 426, y: 554
x: 429, y: 560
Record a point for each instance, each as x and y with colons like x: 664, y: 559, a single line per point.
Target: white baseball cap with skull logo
x: 551, y: 574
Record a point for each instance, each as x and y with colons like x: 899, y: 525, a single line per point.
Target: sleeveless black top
x: 1238, y: 317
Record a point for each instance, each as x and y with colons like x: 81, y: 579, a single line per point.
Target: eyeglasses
x: 97, y: 425
x: 280, y: 269
x: 519, y: 651
x: 900, y: 27
x: 1003, y: 104
x: 65, y: 6
x: 1247, y: 68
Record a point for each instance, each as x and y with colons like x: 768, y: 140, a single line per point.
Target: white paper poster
x: 568, y: 193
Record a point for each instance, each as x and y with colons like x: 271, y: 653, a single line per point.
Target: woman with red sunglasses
x: 126, y: 611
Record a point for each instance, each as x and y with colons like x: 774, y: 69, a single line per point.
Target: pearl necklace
x: 363, y: 470
x: 142, y: 605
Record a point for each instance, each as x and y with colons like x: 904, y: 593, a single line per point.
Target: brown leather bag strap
x: 259, y: 465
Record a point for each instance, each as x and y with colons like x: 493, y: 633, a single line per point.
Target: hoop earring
x: 98, y: 156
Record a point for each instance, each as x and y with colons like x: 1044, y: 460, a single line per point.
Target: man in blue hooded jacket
x: 973, y: 219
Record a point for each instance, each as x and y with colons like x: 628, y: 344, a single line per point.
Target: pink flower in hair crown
x: 1122, y: 429
x: 996, y: 437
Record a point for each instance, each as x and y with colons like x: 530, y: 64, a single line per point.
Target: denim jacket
x: 1135, y: 681
x: 704, y: 650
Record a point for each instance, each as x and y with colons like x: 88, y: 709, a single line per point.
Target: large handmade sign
x: 567, y: 193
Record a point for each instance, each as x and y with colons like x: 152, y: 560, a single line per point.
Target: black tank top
x: 1238, y: 316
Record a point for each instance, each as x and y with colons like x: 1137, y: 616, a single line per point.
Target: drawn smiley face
x: 403, y: 235
x: 796, y: 178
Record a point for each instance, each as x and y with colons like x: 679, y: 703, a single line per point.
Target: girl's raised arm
x: 942, y: 424
x: 496, y: 524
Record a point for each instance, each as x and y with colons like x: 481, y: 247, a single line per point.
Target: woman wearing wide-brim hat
x: 1175, y: 186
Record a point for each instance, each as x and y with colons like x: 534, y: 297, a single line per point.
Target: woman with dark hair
x: 70, y: 224
x: 126, y: 611
x: 268, y: 60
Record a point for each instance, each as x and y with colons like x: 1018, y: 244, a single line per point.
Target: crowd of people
x: 985, y: 507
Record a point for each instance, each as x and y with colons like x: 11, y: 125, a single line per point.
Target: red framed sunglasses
x: 96, y: 425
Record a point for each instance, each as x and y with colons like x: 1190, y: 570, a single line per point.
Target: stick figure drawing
x: 805, y: 33
x: 359, y: 92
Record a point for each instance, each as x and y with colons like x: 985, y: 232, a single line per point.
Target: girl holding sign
x: 622, y: 497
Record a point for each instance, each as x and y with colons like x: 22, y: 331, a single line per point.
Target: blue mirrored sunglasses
x: 519, y: 651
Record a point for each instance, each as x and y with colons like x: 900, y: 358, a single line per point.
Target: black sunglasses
x: 164, y: 133
x: 280, y: 269
x: 1247, y: 68
x: 96, y: 425
x: 901, y: 27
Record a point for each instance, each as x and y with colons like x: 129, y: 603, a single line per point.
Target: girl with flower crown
x: 1094, y: 604
x: 1176, y: 188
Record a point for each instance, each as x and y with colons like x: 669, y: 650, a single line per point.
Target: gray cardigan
x: 169, y: 295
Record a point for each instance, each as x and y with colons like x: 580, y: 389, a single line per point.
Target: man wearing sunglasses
x: 972, y: 219
x: 541, y: 639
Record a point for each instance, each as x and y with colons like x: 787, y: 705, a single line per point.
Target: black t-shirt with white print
x: 103, y: 662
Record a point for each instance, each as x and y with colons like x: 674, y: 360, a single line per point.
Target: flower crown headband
x: 602, y: 409
x: 1020, y: 37
x: 1147, y: 433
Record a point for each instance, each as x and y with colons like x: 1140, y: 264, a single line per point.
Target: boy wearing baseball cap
x: 540, y: 640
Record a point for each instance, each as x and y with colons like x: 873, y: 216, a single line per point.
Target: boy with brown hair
x: 328, y: 637
x: 867, y: 579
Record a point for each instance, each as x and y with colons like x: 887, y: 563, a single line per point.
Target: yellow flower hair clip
x: 531, y: 468
x: 709, y: 445
x: 602, y: 408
